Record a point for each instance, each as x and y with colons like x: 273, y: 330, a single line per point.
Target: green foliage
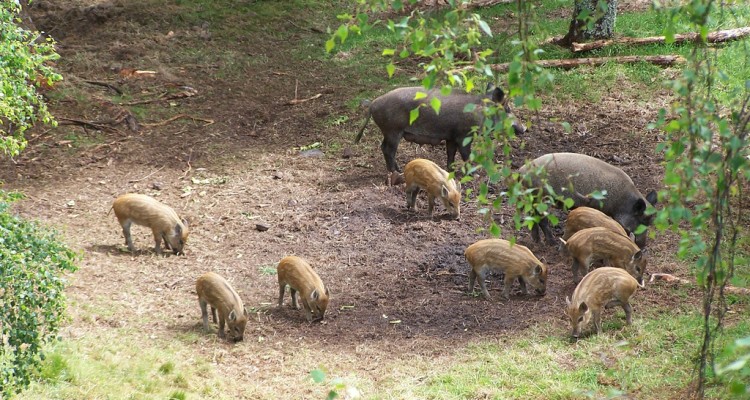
x: 24, y: 63
x: 339, y: 387
x: 32, y: 303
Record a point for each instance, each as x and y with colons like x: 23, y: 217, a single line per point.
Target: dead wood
x: 187, y: 92
x: 669, y: 278
x: 106, y: 85
x: 713, y: 37
x: 297, y: 101
x: 176, y: 117
x: 664, y: 60
x: 101, y: 126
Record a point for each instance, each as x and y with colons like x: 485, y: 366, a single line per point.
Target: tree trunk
x: 604, y: 25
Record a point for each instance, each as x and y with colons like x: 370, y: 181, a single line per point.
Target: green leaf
x: 413, y: 115
x: 390, y: 68
x: 420, y: 95
x: 318, y: 376
x: 330, y: 44
x: 485, y: 28
x: 435, y: 104
x: 389, y: 52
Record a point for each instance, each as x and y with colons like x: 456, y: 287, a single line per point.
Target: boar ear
x: 232, y: 316
x: 314, y: 295
x: 178, y: 230
x: 638, y: 255
x: 444, y: 191
x: 538, y: 270
x: 631, y: 235
x: 247, y: 314
x: 583, y: 308
x: 567, y: 300
x: 639, y: 207
x: 652, y: 197
x: 458, y: 185
x: 184, y: 222
x: 498, y: 95
x: 327, y: 292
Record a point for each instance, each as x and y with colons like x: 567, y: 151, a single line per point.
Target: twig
x: 712, y: 37
x: 106, y: 85
x: 187, y: 92
x: 176, y: 117
x: 190, y: 156
x: 94, y: 125
x: 138, y: 180
x: 577, y: 62
x: 297, y: 101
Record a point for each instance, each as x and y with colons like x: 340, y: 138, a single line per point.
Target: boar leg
x: 472, y: 280
x: 213, y: 314
x: 222, y: 335
x: 157, y: 242
x: 126, y: 232
x: 306, y: 308
x: 482, y: 285
x: 522, y: 282
x: 411, y: 196
x: 544, y: 225
x: 389, y: 147
x: 576, y: 270
x: 430, y: 203
x: 597, y: 317
x: 450, y: 148
x: 508, y: 282
x: 628, y: 311
x: 204, y: 313
x: 293, y: 292
x: 282, y: 288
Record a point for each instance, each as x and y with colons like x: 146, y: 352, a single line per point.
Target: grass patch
x: 124, y: 365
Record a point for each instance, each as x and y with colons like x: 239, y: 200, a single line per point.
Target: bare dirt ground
x: 398, y: 279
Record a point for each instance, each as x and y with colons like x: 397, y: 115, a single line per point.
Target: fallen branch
x: 138, y: 180
x: 297, y: 101
x: 91, y: 124
x: 106, y: 85
x: 713, y: 37
x: 176, y: 117
x: 187, y: 92
x: 577, y: 62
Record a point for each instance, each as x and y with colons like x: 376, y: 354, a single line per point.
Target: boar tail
x: 362, y: 130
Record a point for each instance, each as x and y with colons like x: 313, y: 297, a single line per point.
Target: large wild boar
x: 603, y: 287
x: 391, y: 112
x: 146, y: 211
x: 593, y: 244
x: 578, y: 175
x: 425, y: 174
x: 216, y: 291
x: 300, y: 277
x: 514, y: 261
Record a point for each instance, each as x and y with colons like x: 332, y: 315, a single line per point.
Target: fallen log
x: 669, y: 278
x: 713, y: 37
x: 664, y: 60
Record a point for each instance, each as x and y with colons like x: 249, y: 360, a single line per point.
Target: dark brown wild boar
x: 216, y: 291
x: 146, y: 211
x: 514, y: 261
x: 576, y: 176
x: 392, y: 113
x: 593, y: 244
x: 425, y: 174
x: 300, y: 277
x: 602, y: 287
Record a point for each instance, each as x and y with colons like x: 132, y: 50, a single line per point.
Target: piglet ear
x: 638, y: 255
x: 583, y: 308
x: 314, y: 295
x: 184, y: 222
x: 538, y: 270
x: 444, y: 191
x: 178, y: 230
x: 247, y: 314
x: 567, y: 300
x: 232, y: 316
x: 458, y: 185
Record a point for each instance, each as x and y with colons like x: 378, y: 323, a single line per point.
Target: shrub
x: 32, y: 303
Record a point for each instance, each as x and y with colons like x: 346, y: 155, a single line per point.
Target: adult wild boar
x: 391, y: 113
x: 576, y: 176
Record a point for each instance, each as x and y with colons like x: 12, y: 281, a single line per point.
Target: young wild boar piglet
x: 587, y: 217
x: 514, y: 261
x: 215, y: 291
x: 425, y: 174
x: 603, y: 287
x: 592, y: 244
x: 146, y: 211
x: 300, y: 277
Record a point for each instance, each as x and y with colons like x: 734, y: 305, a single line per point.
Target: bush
x: 32, y: 303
